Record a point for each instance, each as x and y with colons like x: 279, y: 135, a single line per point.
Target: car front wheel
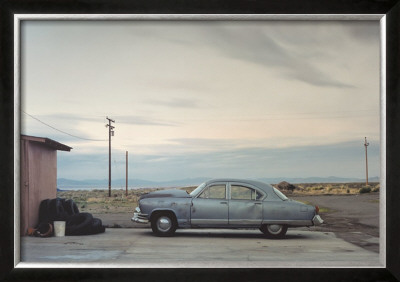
x: 164, y: 225
x: 274, y: 231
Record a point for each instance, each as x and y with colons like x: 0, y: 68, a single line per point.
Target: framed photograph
x: 257, y: 92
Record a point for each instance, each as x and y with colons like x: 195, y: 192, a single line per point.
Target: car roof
x: 264, y: 186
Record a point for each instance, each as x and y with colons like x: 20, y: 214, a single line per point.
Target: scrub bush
x: 365, y: 190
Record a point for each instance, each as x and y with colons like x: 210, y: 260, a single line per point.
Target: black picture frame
x: 389, y: 8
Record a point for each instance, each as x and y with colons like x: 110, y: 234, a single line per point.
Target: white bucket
x: 59, y: 228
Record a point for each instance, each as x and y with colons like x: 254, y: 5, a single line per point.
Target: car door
x: 245, y: 205
x: 210, y: 207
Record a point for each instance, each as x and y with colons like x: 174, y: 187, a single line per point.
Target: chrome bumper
x: 139, y: 217
x: 317, y: 220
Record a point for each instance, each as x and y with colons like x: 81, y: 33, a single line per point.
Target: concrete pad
x: 119, y: 247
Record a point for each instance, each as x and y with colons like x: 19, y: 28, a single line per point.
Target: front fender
x: 180, y: 207
x: 153, y: 212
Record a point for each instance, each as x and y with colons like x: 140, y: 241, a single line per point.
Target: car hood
x: 175, y: 193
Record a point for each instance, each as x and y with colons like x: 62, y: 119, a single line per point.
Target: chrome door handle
x: 224, y: 203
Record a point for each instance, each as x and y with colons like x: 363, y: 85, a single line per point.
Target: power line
x: 61, y: 130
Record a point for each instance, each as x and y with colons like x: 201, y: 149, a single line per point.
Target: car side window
x: 217, y: 191
x: 239, y: 192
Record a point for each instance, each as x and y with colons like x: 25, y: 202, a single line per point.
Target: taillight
x: 316, y: 209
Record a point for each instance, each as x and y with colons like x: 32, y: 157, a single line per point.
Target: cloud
x: 258, y: 47
x: 141, y: 120
x: 211, y: 145
x: 176, y: 103
x: 185, y: 86
x: 364, y: 31
x: 292, y: 48
x: 82, y: 166
x: 206, y: 142
x: 173, y: 89
x: 345, y: 159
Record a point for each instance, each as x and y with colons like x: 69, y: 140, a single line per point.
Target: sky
x: 248, y: 99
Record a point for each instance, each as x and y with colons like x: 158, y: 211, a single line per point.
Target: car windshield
x: 280, y: 195
x: 197, y: 190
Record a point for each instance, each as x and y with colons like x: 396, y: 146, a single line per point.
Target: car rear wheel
x: 274, y: 231
x: 164, y: 224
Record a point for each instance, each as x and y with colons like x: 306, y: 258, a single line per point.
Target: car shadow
x: 221, y: 234
x: 218, y: 235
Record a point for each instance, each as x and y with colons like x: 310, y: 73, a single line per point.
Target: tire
x: 70, y: 207
x: 74, y: 207
x: 44, y: 211
x: 274, y: 231
x: 95, y: 227
x: 56, y: 210
x: 164, y: 224
x: 78, y: 224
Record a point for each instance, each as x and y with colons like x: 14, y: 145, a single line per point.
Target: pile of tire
x: 76, y: 223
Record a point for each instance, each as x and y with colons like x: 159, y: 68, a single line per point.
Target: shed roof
x: 48, y: 142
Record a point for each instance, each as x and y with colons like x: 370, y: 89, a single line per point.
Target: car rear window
x: 239, y: 192
x: 280, y: 195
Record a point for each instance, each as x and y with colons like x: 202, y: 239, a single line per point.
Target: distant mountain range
x: 330, y: 179
x: 140, y: 183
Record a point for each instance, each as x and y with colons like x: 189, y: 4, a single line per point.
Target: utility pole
x: 366, y: 160
x: 110, y: 133
x: 126, y: 173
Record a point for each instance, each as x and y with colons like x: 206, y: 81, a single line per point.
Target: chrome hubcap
x: 274, y: 228
x: 164, y: 223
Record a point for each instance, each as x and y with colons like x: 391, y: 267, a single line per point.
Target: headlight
x: 137, y: 209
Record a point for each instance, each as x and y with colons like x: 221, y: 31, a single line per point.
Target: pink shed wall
x: 38, y: 180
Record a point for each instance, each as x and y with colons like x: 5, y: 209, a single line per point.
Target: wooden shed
x: 38, y: 176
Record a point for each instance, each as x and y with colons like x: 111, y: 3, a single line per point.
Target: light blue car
x: 225, y: 203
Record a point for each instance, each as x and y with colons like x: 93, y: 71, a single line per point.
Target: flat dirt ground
x: 354, y: 217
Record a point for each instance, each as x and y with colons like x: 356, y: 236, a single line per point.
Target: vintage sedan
x: 225, y: 203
